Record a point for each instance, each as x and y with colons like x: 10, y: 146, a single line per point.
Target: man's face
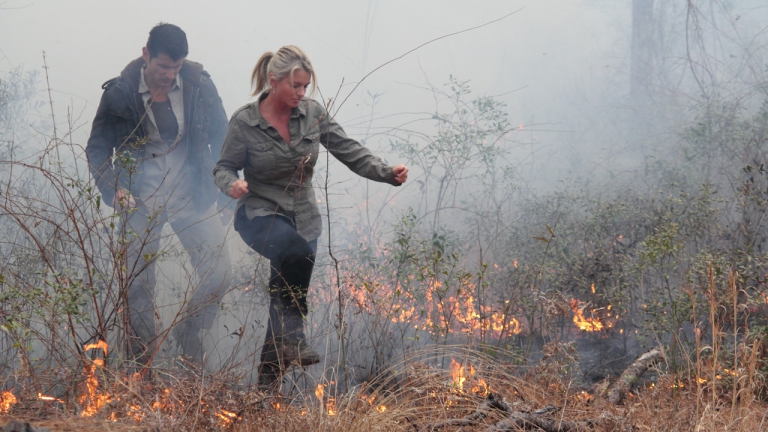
x: 161, y: 71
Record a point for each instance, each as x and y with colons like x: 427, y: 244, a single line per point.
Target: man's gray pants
x: 203, y: 237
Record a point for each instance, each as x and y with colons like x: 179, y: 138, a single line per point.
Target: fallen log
x: 619, y: 389
x: 541, y: 419
x: 515, y: 420
x: 21, y: 426
x: 491, y: 403
x: 530, y: 421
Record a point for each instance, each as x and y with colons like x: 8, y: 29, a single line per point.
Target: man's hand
x: 400, y: 172
x: 225, y: 216
x: 123, y: 200
x: 238, y: 189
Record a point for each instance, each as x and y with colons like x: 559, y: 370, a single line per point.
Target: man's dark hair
x: 167, y: 39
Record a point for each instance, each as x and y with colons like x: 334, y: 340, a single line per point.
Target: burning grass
x: 435, y: 388
x: 423, y: 392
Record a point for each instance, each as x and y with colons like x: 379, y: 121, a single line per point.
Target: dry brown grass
x: 413, y: 396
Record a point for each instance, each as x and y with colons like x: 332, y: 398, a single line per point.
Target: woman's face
x: 291, y: 92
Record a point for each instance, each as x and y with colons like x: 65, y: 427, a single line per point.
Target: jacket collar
x: 191, y: 72
x: 255, y: 117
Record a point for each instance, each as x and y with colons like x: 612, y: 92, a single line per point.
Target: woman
x: 275, y: 141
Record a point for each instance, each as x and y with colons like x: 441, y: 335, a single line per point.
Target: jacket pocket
x: 315, y: 137
x: 311, y: 146
x: 261, y: 156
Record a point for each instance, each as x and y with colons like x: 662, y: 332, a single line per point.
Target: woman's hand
x: 400, y: 172
x: 123, y: 200
x: 238, y: 188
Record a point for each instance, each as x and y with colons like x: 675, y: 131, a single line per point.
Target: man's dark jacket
x: 118, y: 130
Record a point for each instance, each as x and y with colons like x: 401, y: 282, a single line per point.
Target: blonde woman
x: 275, y: 141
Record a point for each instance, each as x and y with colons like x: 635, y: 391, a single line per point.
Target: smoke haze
x: 562, y: 69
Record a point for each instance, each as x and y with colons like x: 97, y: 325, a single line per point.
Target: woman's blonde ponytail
x: 282, y: 63
x: 260, y: 75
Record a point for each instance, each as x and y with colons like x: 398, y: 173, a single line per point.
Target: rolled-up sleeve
x: 233, y: 156
x: 354, y: 155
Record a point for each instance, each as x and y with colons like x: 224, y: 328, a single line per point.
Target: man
x: 155, y: 140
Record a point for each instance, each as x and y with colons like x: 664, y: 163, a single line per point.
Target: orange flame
x: 94, y: 400
x: 162, y: 401
x: 133, y: 411
x: 437, y: 311
x: 480, y: 387
x: 458, y: 376
x: 320, y: 395
x: 461, y: 374
x: 513, y: 325
x: 227, y: 417
x: 42, y: 397
x: 7, y: 400
x: 591, y: 324
x: 98, y: 345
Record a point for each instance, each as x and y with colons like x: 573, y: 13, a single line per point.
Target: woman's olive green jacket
x: 279, y: 174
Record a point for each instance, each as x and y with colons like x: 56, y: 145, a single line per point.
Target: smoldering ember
x: 402, y: 216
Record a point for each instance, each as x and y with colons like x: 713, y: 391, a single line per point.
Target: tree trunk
x: 641, y: 66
